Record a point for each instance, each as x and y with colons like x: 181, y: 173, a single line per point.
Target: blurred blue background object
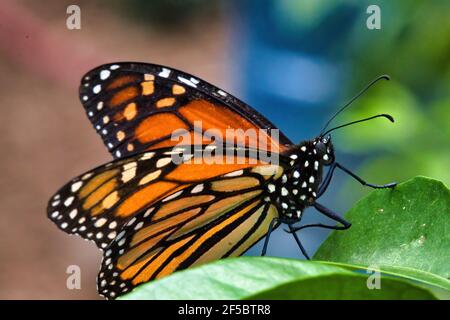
x: 289, y: 63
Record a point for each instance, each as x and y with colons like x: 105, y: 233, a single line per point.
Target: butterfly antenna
x: 387, y: 116
x: 385, y: 77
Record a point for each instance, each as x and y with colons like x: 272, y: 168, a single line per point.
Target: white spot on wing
x: 187, y: 81
x: 139, y: 225
x: 112, y: 235
x: 195, y: 81
x: 164, y: 73
x: 100, y: 222
x: 163, y: 162
x: 121, y: 234
x: 73, y: 213
x: 86, y: 176
x: 133, y: 220
x: 172, y: 196
x: 97, y: 89
x: 147, y: 155
x: 147, y: 213
x: 129, y: 165
x: 77, y: 185
x: 128, y: 174
x: 198, y: 188
x: 68, y: 201
x: 104, y: 74
x: 234, y: 173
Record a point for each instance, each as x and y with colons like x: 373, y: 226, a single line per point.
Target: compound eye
x: 321, y: 148
x: 326, y: 140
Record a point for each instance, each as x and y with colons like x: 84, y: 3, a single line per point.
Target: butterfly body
x: 177, y: 194
x: 299, y: 186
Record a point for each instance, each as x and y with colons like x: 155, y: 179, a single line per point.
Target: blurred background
x: 294, y: 61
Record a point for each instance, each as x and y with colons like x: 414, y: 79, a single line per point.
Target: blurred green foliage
x: 413, y: 47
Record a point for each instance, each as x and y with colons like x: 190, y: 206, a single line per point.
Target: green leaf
x: 274, y: 278
x: 423, y: 277
x: 408, y: 227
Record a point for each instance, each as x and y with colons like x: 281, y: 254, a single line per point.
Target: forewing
x: 137, y: 107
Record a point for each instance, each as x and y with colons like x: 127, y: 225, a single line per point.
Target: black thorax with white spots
x: 298, y: 187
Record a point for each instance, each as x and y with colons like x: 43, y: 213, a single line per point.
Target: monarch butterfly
x: 152, y: 216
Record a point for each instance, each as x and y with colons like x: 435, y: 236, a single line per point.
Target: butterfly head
x: 324, y: 149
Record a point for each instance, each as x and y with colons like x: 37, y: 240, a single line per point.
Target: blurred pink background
x: 45, y: 137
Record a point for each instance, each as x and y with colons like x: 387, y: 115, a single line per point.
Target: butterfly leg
x: 318, y: 225
x: 323, y: 187
x: 330, y: 214
x: 266, y: 240
x: 292, y: 230
x: 364, y: 183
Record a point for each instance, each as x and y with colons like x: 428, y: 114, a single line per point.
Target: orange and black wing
x: 215, y: 218
x: 96, y: 204
x: 137, y: 107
